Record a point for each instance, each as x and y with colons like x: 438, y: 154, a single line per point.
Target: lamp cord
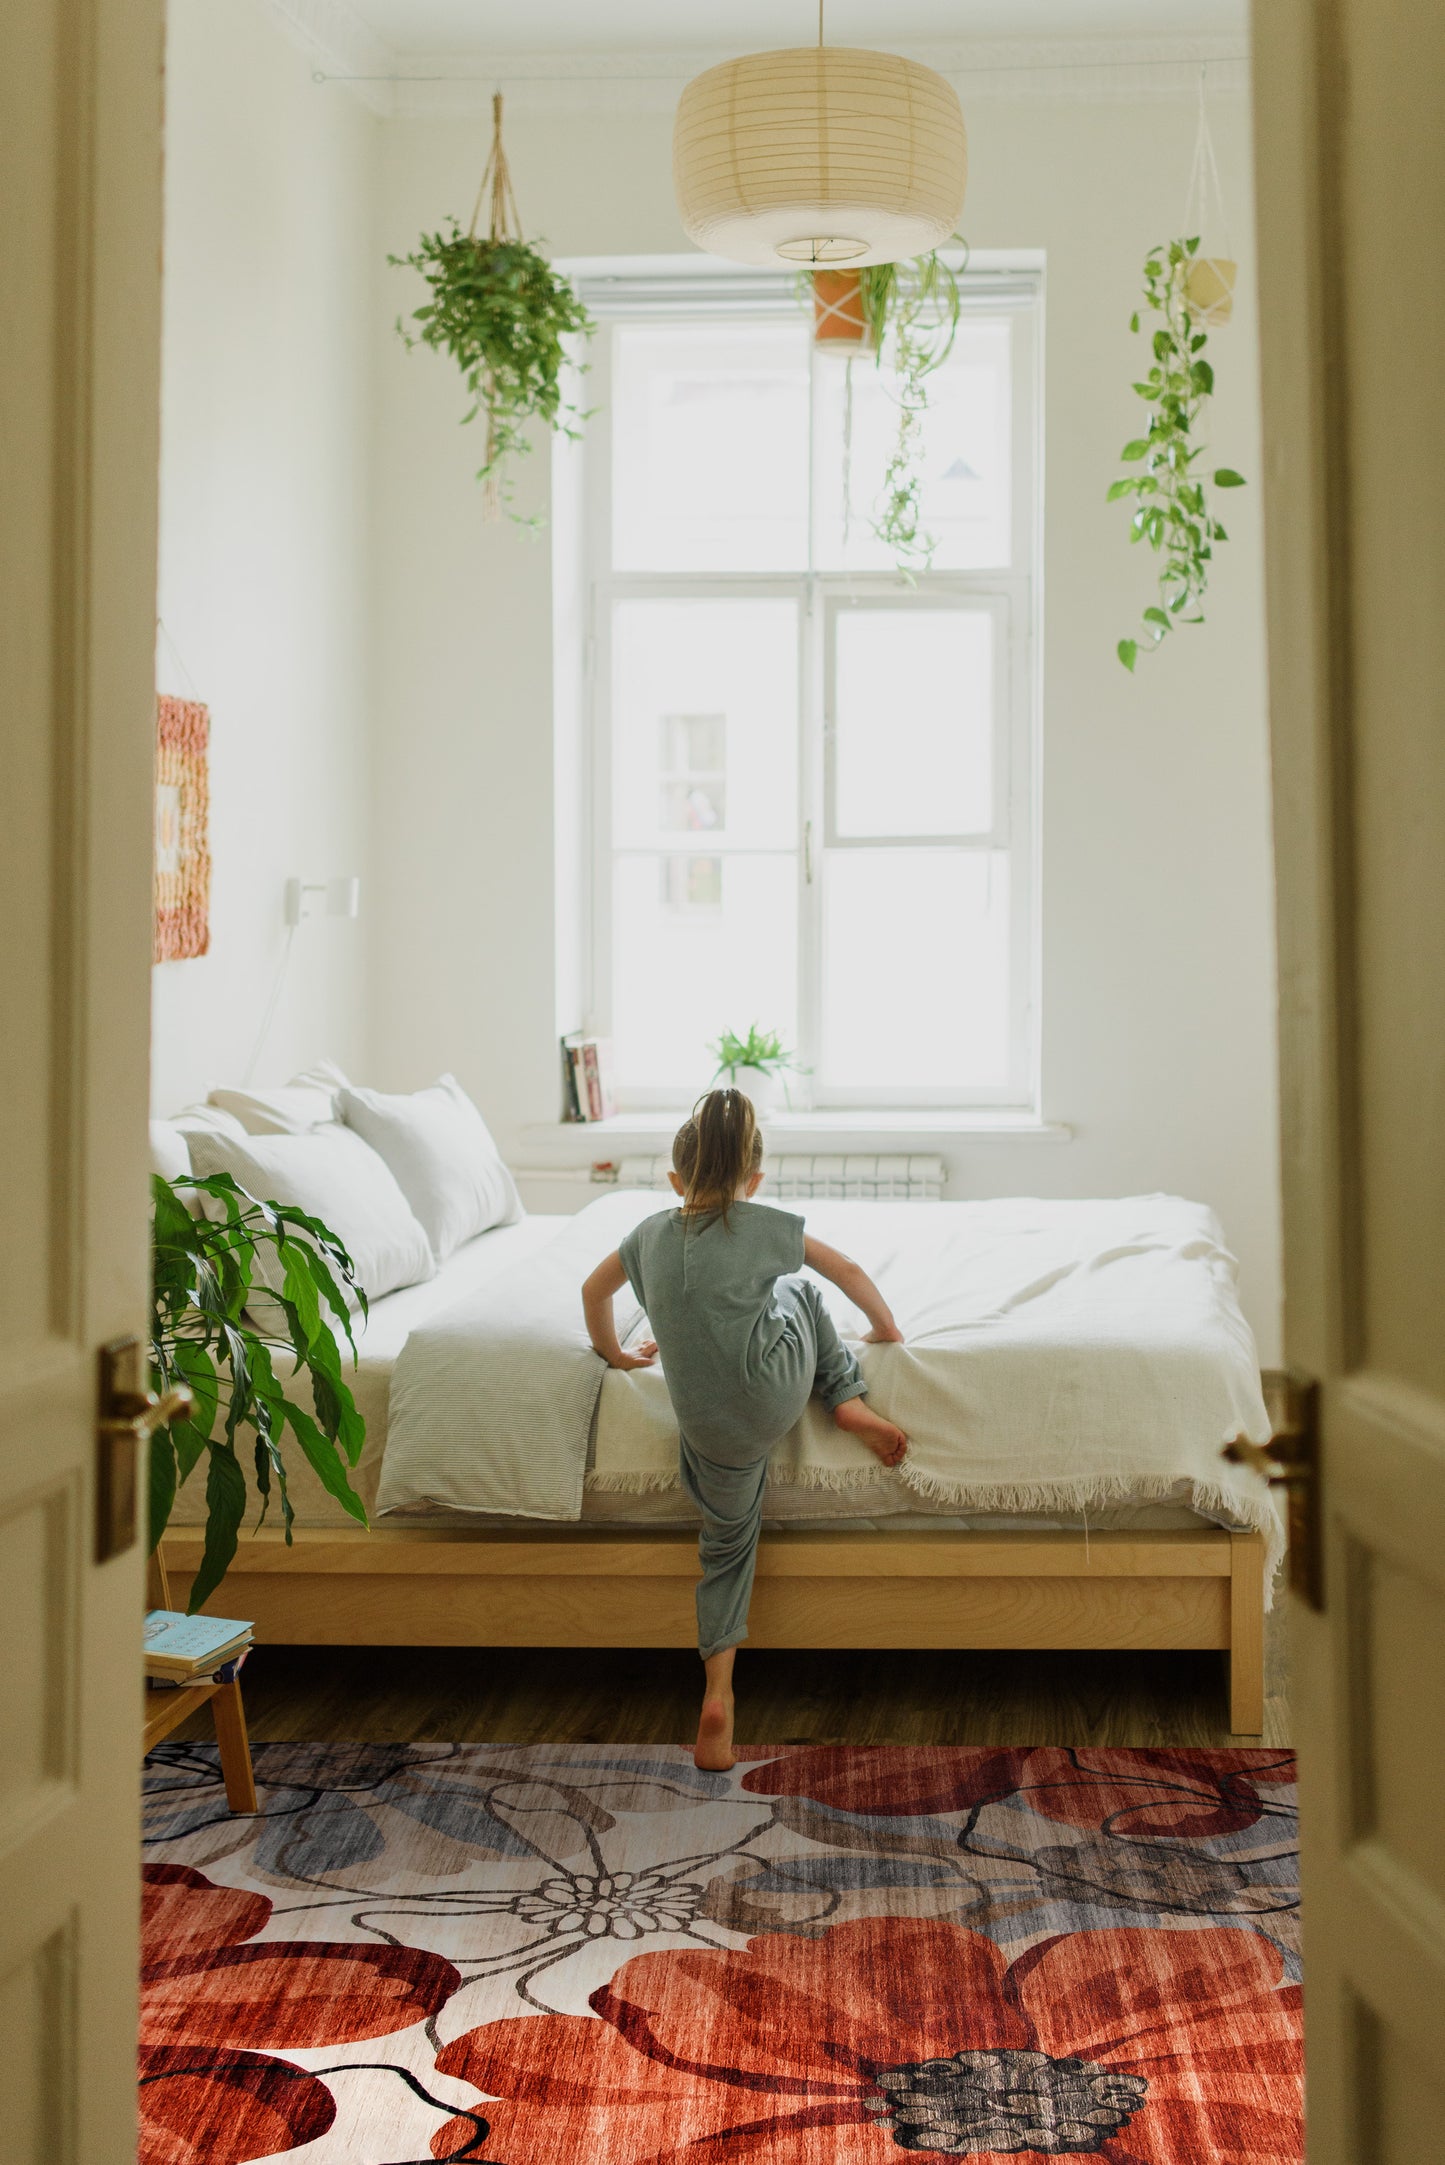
x: 271, y: 1005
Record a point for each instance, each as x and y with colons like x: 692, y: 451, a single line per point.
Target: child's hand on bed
x: 883, y: 1334
x: 642, y: 1355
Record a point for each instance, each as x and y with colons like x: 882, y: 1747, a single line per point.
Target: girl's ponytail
x: 715, y: 1151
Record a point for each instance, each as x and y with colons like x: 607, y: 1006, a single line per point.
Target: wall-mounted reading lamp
x: 302, y: 900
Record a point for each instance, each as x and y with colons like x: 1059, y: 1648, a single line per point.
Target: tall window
x: 812, y: 801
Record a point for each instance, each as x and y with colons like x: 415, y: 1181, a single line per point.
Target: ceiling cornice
x: 427, y: 86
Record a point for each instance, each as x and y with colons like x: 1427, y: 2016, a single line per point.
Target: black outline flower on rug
x: 1137, y: 2047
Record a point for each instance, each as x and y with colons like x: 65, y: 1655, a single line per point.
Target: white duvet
x: 1059, y: 1356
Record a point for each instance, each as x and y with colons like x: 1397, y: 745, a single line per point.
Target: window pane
x: 915, y: 970
x: 705, y: 723
x: 710, y: 447
x: 700, y: 944
x: 913, y: 721
x: 964, y: 458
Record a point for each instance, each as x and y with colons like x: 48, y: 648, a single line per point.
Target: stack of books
x: 182, y: 1649
x: 587, y: 1078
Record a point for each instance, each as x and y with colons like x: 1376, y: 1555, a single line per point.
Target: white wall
x: 1157, y: 925
x: 265, y: 443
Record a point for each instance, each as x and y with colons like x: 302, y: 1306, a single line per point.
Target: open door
x: 80, y: 147
x: 1350, y: 150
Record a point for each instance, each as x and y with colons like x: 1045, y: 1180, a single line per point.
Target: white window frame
x: 639, y: 289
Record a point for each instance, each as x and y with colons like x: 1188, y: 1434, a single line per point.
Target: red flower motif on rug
x: 1140, y: 1794
x: 205, y: 1997
x: 1139, y: 2047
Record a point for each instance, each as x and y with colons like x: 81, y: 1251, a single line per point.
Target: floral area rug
x: 586, y: 1955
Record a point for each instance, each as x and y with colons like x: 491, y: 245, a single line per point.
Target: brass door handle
x: 127, y: 1415
x: 138, y: 1414
x: 1291, y: 1461
x: 1273, y: 1464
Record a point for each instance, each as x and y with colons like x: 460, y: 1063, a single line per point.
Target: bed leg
x: 1246, y: 1634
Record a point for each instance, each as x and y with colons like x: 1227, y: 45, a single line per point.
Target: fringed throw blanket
x: 1060, y: 1356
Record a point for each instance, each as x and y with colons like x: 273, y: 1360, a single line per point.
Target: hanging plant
x: 908, y: 312
x: 504, y: 315
x: 1172, y: 512
x: 1191, y: 294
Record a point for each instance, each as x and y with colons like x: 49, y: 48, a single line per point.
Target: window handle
x: 808, y: 851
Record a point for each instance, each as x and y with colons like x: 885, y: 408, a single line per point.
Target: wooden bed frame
x: 613, y: 1587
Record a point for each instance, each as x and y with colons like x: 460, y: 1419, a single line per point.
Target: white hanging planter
x: 1209, y: 290
x: 1209, y: 283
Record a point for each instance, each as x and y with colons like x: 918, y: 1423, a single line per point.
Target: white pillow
x: 169, y: 1155
x: 331, y: 1175
x: 209, y: 1119
x: 294, y: 1110
x: 441, y: 1151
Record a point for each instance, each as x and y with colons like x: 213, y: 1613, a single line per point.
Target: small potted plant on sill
x: 204, y: 1270
x: 758, y: 1065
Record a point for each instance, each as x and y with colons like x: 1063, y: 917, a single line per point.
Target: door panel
x: 1351, y: 175
x: 79, y: 270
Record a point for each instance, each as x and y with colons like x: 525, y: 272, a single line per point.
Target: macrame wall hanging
x: 507, y: 320
x: 182, y: 843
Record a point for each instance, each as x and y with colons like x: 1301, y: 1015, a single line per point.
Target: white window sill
x: 581, y: 1141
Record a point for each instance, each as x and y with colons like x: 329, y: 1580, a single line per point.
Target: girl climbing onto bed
x: 745, y: 1343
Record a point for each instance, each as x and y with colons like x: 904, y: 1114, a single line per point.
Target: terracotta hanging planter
x: 838, y: 318
x: 1209, y: 289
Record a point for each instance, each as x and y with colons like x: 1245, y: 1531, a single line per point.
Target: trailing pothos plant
x: 1172, y: 511
x: 912, y: 308
x: 503, y: 314
x: 204, y: 1270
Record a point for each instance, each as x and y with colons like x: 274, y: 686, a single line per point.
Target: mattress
x: 624, y: 1451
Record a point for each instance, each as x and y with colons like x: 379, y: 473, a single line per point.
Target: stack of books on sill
x: 587, y: 1078
x: 181, y: 1650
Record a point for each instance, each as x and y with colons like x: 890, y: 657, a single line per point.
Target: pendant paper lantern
x: 819, y: 154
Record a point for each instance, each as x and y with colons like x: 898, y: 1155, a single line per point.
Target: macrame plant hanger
x: 1209, y: 286
x: 504, y: 224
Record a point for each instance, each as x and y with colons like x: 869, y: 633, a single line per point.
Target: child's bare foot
x: 883, y: 1439
x: 714, y: 1747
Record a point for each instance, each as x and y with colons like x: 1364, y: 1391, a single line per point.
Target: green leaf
x: 1134, y: 321
x: 161, y: 1486
x: 1157, y: 616
x: 1121, y: 488
x: 1128, y: 652
x: 1201, y: 375
x: 1136, y: 449
x: 325, y: 1462
x: 225, y: 1509
x: 1225, y: 477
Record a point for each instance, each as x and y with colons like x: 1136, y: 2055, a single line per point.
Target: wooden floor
x: 400, y: 1694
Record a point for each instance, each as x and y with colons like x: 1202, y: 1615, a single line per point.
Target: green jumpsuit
x: 744, y: 1343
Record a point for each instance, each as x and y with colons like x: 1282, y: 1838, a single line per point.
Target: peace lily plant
x: 1172, y: 512
x: 204, y: 1272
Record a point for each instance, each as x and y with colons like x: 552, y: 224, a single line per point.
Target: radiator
x: 894, y: 1177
